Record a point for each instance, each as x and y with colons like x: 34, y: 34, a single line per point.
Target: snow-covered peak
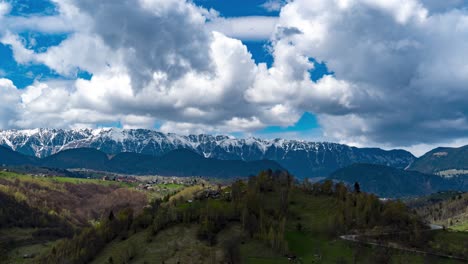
x: 296, y: 155
x: 44, y: 142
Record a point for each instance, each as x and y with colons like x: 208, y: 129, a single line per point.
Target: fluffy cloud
x: 245, y: 28
x: 273, y: 5
x: 154, y: 35
x: 399, y: 69
x: 94, y: 55
x: 159, y: 63
x: 4, y: 8
x: 9, y: 98
x: 196, y: 98
x: 69, y: 19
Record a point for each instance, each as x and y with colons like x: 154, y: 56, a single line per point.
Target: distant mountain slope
x: 78, y: 158
x: 187, y: 163
x: 391, y: 182
x: 12, y: 158
x: 442, y: 160
x: 301, y: 158
x: 175, y: 163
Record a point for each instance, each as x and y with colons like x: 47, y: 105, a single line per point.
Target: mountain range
x: 179, y: 162
x: 394, y: 173
x: 301, y: 158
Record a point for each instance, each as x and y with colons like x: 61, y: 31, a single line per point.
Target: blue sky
x: 25, y: 75
x: 237, y: 8
x: 30, y: 7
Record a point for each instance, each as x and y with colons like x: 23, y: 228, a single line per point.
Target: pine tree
x: 357, y: 187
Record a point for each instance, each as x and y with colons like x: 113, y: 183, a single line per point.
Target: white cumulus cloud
x: 245, y: 28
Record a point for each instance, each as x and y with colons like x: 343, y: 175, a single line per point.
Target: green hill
x: 442, y: 160
x: 391, y: 182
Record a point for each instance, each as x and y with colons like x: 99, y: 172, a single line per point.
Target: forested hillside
x: 267, y: 218
x: 452, y: 211
x: 35, y: 211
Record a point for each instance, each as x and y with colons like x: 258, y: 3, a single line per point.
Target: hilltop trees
x: 357, y: 187
x: 358, y: 210
x: 261, y: 206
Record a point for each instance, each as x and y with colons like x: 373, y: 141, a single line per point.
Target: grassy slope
x: 451, y: 242
x: 187, y: 193
x: 179, y: 243
x: 461, y: 224
x: 255, y: 252
x: 172, y: 245
x: 463, y: 227
x: 26, y: 244
x: 314, y: 243
x: 171, y: 186
x: 48, y: 181
x: 160, y: 191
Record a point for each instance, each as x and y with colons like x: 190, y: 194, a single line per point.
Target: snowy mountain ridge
x: 305, y: 159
